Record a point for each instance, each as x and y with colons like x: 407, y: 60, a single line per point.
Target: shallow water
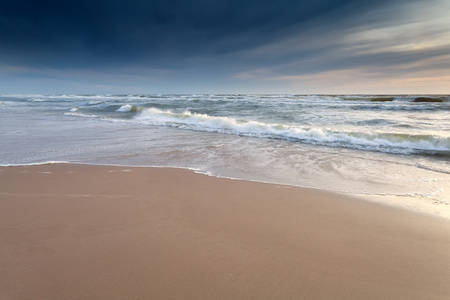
x: 396, y: 152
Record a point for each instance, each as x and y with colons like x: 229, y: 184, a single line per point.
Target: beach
x: 225, y: 150
x: 394, y: 152
x: 73, y: 231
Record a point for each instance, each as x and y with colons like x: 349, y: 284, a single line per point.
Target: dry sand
x: 101, y: 232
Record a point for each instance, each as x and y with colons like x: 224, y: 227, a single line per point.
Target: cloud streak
x: 222, y: 46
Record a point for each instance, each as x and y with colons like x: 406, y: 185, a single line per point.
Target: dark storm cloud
x: 165, y: 33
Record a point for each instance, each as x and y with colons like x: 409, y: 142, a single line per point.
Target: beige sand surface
x: 101, y: 232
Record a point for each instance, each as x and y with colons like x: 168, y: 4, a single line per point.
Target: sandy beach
x: 102, y: 232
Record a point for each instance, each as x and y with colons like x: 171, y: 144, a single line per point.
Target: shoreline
x: 95, y: 231
x: 429, y: 206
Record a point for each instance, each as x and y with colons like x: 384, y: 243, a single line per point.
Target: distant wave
x: 398, y: 107
x: 375, y: 141
x: 386, y: 124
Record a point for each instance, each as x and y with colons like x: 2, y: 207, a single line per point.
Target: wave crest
x: 375, y: 141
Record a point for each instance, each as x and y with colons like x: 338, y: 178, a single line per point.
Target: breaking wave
x: 128, y: 108
x: 391, y: 142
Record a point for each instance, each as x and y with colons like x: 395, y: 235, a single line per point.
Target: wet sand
x: 101, y: 232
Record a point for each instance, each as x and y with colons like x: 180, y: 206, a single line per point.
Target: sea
x: 388, y: 148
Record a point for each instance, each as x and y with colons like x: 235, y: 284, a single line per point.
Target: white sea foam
x: 50, y: 162
x: 380, y: 141
x: 125, y: 108
x: 95, y: 102
x: 128, y: 108
x: 77, y: 114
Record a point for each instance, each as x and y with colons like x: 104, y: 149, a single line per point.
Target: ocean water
x: 395, y: 151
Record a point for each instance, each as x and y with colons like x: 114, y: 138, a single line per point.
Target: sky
x: 225, y: 46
